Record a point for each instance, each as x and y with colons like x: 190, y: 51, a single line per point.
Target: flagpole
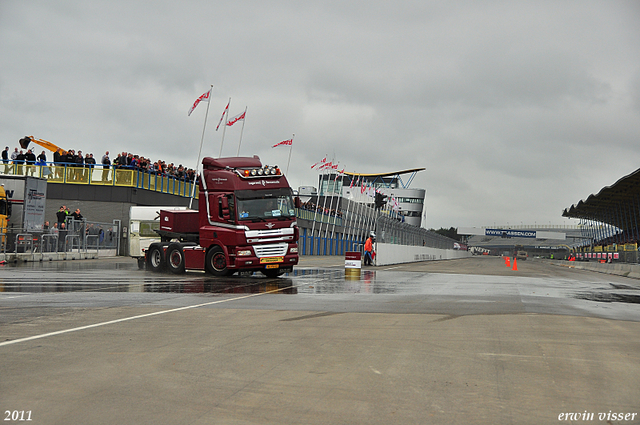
x: 225, y: 127
x: 345, y: 224
x: 195, y: 178
x: 335, y: 218
x: 290, y: 149
x: 315, y: 215
x: 324, y: 206
x: 242, y: 130
x: 353, y: 223
x: 348, y: 223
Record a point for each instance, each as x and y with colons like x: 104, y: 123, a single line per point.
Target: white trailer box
x: 28, y: 197
x: 143, y: 223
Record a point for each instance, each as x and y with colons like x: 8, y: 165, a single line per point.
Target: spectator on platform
x: 5, y: 159
x: 62, y: 236
x: 20, y: 158
x: 106, y: 165
x: 76, y: 215
x: 61, y: 215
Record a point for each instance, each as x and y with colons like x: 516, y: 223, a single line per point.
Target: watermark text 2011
x: 592, y: 416
x: 17, y: 415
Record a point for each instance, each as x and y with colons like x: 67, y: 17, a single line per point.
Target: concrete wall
x: 396, y: 254
x: 620, y: 269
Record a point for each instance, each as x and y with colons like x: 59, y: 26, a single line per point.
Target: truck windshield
x: 265, y: 204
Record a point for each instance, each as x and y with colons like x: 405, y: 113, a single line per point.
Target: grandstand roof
x: 599, y: 206
x: 390, y: 174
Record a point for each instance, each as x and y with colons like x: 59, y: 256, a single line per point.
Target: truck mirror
x: 224, y: 207
x: 297, y: 202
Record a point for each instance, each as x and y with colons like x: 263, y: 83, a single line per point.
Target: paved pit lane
x: 462, y: 341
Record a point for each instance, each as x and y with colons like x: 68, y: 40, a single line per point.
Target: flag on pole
x: 284, y: 143
x: 239, y: 117
x: 320, y: 162
x: 223, y: 112
x: 204, y: 98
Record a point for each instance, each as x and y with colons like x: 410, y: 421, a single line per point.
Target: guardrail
x: 76, y: 236
x: 99, y: 176
x: 331, y: 235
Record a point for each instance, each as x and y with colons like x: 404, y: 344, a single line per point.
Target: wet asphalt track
x: 462, y: 341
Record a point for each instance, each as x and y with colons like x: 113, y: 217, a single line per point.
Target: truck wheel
x: 175, y: 258
x: 216, y: 262
x: 155, y: 260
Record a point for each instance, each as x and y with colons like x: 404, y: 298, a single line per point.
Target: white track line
x: 141, y: 316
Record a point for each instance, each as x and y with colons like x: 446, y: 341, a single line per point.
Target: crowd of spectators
x: 159, y: 167
x: 124, y: 160
x: 71, y: 230
x: 310, y: 206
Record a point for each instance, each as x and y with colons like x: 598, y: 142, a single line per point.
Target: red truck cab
x: 246, y: 222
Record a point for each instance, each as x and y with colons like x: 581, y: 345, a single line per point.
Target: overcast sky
x: 517, y: 110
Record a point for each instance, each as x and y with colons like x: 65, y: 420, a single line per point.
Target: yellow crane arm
x: 24, y: 142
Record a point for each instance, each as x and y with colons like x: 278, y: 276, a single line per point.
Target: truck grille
x: 273, y: 250
x: 268, y: 233
x: 264, y: 236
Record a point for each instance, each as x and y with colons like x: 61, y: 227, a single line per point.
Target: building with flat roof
x: 351, y: 186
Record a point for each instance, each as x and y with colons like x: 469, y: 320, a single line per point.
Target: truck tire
x: 175, y: 258
x: 155, y: 258
x: 216, y: 262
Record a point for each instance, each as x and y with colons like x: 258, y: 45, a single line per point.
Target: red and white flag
x: 284, y: 143
x: 223, y: 112
x: 239, y: 117
x: 317, y: 163
x: 394, y: 204
x: 204, y: 98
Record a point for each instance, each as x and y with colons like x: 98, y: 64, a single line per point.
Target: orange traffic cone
x: 507, y: 262
x: 515, y: 264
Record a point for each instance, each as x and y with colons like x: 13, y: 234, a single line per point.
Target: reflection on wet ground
x: 124, y: 276
x: 283, y: 286
x: 326, y: 281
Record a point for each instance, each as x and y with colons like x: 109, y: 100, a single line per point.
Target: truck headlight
x: 293, y: 250
x: 243, y: 253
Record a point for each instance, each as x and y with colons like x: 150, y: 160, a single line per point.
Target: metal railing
x: 333, y: 237
x: 74, y: 236
x: 97, y: 175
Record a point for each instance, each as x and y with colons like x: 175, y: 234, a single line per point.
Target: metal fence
x: 71, y: 236
x: 329, y: 235
x: 99, y: 176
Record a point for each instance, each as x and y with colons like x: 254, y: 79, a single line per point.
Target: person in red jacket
x: 368, y: 250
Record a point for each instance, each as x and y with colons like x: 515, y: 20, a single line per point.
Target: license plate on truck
x: 272, y: 266
x: 268, y: 260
